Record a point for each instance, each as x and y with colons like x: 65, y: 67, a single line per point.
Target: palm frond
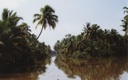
x: 125, y: 7
x: 87, y: 25
x: 5, y: 13
x: 54, y: 18
x: 38, y: 24
x: 36, y: 15
x: 36, y: 19
x: 44, y: 24
x: 48, y: 8
x: 10, y: 13
x: 52, y: 24
x: 17, y: 19
x: 126, y: 18
x: 14, y: 14
x: 42, y: 10
x: 23, y: 25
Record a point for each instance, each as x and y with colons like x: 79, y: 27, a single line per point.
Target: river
x: 73, y: 69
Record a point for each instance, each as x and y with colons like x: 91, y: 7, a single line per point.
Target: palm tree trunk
x: 40, y: 32
x: 36, y: 38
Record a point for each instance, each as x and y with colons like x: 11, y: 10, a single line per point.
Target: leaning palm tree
x: 47, y: 17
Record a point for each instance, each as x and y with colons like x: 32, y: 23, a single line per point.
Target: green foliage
x: 125, y: 21
x: 94, y: 42
x: 15, y: 42
x: 47, y: 17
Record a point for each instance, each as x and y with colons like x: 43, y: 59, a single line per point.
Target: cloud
x: 11, y: 3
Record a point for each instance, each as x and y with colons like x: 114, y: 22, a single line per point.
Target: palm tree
x: 125, y: 21
x: 47, y: 17
x: 11, y: 19
x: 87, y: 30
x: 94, y: 31
x: 9, y: 22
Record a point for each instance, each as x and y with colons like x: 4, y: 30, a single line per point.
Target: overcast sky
x: 73, y: 14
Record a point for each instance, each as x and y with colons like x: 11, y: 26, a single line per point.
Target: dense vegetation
x: 95, y: 42
x: 18, y: 47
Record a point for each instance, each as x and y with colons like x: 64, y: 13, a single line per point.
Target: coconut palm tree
x: 9, y: 18
x: 87, y: 30
x: 125, y: 21
x: 9, y: 27
x: 47, y: 17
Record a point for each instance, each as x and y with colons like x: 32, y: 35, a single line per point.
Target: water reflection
x: 27, y: 73
x: 93, y: 69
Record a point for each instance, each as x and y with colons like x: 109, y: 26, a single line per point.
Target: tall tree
x: 47, y: 17
x: 125, y: 21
